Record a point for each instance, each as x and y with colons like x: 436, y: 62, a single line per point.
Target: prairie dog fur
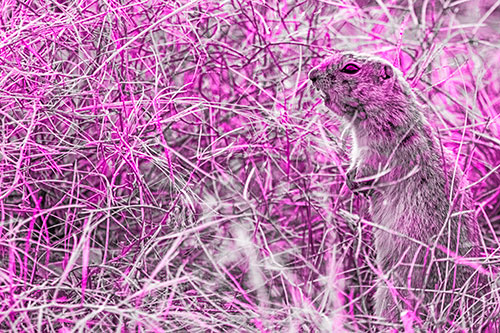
x: 427, y: 238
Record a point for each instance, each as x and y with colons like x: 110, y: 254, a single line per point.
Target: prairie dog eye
x: 350, y: 69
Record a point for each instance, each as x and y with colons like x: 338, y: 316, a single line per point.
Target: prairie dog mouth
x: 324, y: 95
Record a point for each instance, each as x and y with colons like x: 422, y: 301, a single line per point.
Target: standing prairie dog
x: 427, y: 237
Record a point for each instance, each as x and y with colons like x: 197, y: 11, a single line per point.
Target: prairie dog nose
x: 313, y: 74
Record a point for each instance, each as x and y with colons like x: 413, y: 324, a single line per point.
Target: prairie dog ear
x: 386, y: 72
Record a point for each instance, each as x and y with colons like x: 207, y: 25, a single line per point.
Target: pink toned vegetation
x: 165, y: 167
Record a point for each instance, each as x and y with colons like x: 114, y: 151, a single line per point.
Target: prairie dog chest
x: 360, y: 152
x: 355, y: 152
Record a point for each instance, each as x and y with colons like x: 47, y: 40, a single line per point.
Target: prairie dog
x: 427, y: 236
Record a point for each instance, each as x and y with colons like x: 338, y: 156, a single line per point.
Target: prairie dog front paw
x: 356, y: 186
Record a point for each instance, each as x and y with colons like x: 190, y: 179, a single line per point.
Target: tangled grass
x: 166, y: 168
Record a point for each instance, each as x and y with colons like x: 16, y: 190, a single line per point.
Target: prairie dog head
x: 362, y: 88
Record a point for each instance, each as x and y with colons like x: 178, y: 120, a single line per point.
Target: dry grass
x: 166, y: 168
